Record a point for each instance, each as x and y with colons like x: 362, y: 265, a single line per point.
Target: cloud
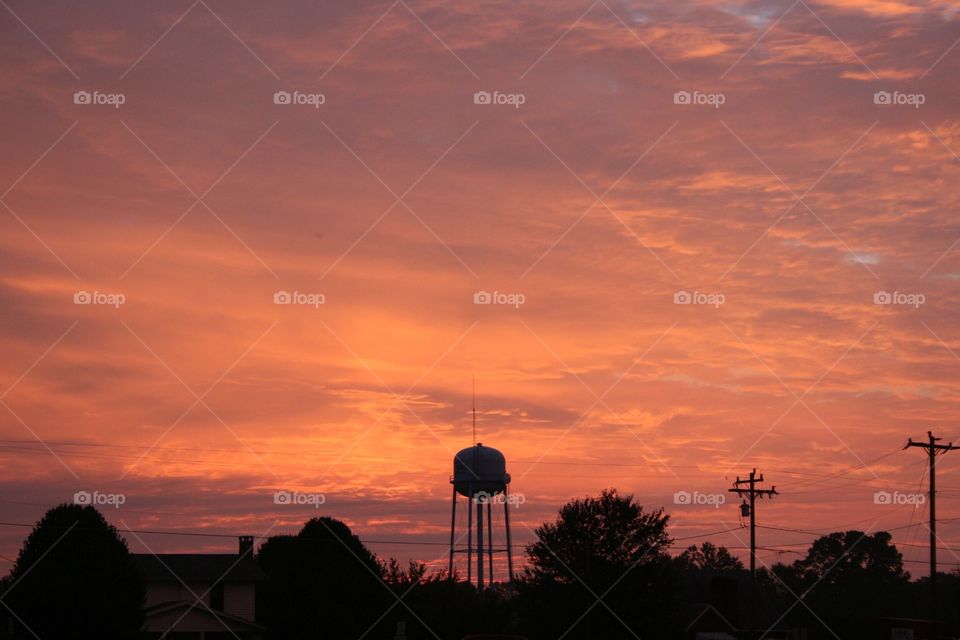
x: 399, y: 198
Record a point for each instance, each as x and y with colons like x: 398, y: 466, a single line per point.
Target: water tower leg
x: 490, y: 538
x: 506, y: 519
x: 469, y: 534
x: 479, y: 546
x: 453, y: 527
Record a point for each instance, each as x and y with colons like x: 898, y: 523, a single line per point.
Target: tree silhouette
x: 440, y: 605
x: 416, y: 572
x: 948, y: 600
x: 708, y: 557
x: 597, y: 539
x: 600, y: 547
x: 75, y: 578
x: 849, y: 578
x: 322, y: 583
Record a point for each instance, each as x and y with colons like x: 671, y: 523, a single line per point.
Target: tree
x: 322, y: 582
x: 439, y: 605
x: 848, y: 579
x: 598, y: 539
x: 603, y: 547
x: 416, y: 572
x: 75, y: 578
x: 708, y: 557
x: 948, y: 595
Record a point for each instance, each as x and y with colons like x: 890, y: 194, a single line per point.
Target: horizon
x: 250, y: 250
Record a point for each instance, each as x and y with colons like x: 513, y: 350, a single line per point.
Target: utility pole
x: 748, y: 488
x: 932, y: 449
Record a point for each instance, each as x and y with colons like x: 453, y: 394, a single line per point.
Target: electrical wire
x: 206, y: 534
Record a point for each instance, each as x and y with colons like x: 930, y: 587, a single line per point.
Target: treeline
x: 602, y: 569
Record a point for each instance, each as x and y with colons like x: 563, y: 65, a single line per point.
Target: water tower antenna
x: 474, y: 410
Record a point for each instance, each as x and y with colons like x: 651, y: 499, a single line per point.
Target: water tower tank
x: 479, y: 469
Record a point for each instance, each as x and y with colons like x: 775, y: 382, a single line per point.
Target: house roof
x: 198, y: 567
x: 701, y: 588
x: 715, y: 613
x: 234, y: 623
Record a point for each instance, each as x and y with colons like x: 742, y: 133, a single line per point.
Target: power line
x: 933, y: 449
x: 847, y: 471
x: 206, y: 534
x: 913, y: 512
x: 821, y: 534
x: 752, y: 493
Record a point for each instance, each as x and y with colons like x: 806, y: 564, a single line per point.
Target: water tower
x: 480, y: 475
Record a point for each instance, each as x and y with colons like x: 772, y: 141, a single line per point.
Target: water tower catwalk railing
x: 480, y: 475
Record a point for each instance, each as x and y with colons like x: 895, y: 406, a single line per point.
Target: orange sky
x: 797, y: 199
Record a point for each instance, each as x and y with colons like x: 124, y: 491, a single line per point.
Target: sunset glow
x: 716, y: 237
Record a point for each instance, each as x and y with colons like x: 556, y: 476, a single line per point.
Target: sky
x: 248, y: 248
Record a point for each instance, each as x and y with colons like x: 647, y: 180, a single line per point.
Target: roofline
x: 176, y: 604
x: 170, y: 576
x: 700, y: 615
x: 185, y: 555
x: 221, y: 579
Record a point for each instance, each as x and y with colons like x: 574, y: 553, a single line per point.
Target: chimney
x: 246, y: 545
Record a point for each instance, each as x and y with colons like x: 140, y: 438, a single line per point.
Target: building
x: 199, y: 596
x: 719, y: 608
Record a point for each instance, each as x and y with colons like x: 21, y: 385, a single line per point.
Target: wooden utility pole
x: 932, y: 449
x: 748, y: 488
